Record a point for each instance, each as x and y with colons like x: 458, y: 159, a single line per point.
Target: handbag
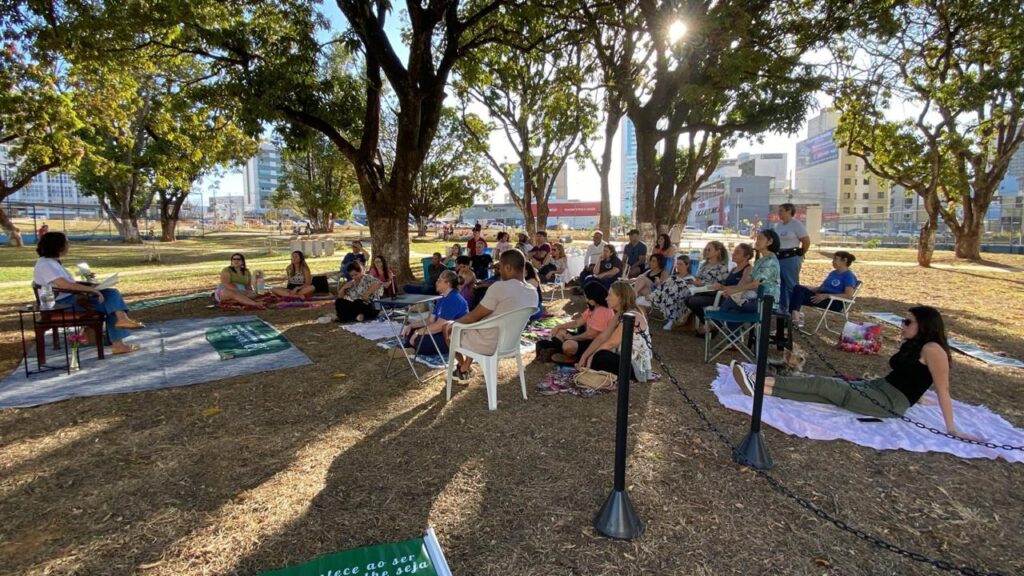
x: 861, y: 337
x: 594, y: 379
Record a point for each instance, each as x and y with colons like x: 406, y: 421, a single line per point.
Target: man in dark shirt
x: 433, y: 273
x: 540, y: 251
x: 635, y: 254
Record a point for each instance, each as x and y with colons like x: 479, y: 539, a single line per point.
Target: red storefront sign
x: 570, y: 209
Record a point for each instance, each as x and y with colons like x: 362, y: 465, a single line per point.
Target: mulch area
x: 252, y: 473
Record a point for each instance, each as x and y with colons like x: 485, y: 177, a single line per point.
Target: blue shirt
x: 637, y: 253
x: 451, y: 306
x: 836, y: 282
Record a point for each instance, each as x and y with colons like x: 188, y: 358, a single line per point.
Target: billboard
x: 816, y: 150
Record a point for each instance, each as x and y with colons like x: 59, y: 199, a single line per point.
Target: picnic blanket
x: 242, y: 338
x: 560, y: 381
x: 828, y: 422
x: 972, y: 350
x: 164, y: 300
x: 173, y: 353
x: 542, y: 327
x: 274, y: 302
x: 374, y: 330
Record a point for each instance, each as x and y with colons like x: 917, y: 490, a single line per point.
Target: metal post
x: 617, y: 519
x: 752, y: 450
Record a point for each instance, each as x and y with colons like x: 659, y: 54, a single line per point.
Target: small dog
x: 792, y: 362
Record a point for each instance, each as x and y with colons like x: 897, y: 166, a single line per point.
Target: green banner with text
x: 248, y: 338
x: 395, y: 559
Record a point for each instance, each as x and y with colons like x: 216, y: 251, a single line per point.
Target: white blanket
x: 374, y: 330
x: 828, y: 422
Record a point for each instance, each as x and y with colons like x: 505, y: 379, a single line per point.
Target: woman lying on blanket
x: 573, y: 337
x: 428, y: 336
x: 300, y: 278
x: 236, y: 284
x: 921, y: 362
x: 49, y: 271
x: 354, y: 302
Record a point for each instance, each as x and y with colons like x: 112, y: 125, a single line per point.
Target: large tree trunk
x: 542, y: 216
x: 967, y: 243
x: 421, y: 227
x: 170, y: 212
x: 647, y: 174
x: 604, y: 222
x: 13, y: 233
x: 926, y: 238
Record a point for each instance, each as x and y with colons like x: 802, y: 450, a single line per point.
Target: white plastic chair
x: 847, y: 303
x: 557, y: 285
x: 510, y: 327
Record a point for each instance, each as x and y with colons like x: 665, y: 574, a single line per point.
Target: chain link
x: 856, y: 385
x: 804, y: 502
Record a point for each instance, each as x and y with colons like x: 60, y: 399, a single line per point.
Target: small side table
x: 65, y: 320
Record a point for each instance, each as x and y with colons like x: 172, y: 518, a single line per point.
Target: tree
x: 270, y: 57
x: 711, y: 72
x: 317, y: 181
x: 537, y: 100
x: 38, y: 116
x: 455, y: 172
x: 959, y: 64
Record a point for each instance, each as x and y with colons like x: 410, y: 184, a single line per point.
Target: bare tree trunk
x: 170, y: 212
x: 13, y: 233
x: 967, y: 243
x: 542, y: 217
x: 421, y: 227
x: 926, y: 238
x: 611, y: 126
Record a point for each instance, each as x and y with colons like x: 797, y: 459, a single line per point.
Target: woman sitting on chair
x: 428, y: 337
x: 840, y: 281
x: 652, y: 278
x: 764, y: 273
x: 236, y: 284
x: 49, y: 271
x: 741, y: 255
x: 354, y: 302
x: 558, y: 260
x: 921, y: 362
x: 300, y: 279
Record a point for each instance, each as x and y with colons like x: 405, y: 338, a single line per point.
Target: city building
x: 230, y: 208
x: 574, y: 214
x: 852, y: 196
x: 733, y: 201
x: 559, y: 193
x: 627, y: 163
x: 262, y: 174
x: 48, y: 195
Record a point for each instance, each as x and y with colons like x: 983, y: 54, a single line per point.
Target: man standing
x: 635, y: 254
x: 510, y: 293
x: 593, y: 254
x: 793, y: 245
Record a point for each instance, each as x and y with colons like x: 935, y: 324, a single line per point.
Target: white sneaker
x: 742, y: 378
x: 642, y: 301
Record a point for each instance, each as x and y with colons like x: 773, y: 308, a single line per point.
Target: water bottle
x: 259, y: 282
x: 46, y: 298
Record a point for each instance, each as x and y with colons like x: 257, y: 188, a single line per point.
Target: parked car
x: 829, y: 232
x: 905, y: 234
x: 692, y: 229
x: 716, y: 229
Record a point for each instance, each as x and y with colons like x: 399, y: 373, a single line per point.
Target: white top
x: 593, y: 253
x: 48, y: 269
x: 790, y: 234
x: 503, y: 296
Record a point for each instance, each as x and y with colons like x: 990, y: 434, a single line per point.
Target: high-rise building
x: 49, y: 194
x: 627, y: 206
x: 262, y: 174
x: 559, y: 193
x: 852, y: 196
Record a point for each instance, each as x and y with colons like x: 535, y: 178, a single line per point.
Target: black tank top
x: 909, y: 375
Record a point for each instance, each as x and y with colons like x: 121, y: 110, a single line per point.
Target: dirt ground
x: 257, y: 472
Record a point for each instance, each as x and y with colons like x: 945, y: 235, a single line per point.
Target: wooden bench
x: 66, y: 318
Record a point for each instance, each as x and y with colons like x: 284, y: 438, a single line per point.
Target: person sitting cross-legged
x: 510, y: 293
x: 840, y: 281
x: 573, y: 337
x: 428, y: 337
x: 300, y: 278
x: 354, y: 302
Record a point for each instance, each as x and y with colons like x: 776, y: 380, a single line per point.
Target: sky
x: 583, y: 181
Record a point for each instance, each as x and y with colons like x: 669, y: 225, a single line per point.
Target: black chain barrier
x: 856, y: 385
x: 804, y: 502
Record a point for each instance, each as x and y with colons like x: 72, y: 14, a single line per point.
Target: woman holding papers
x: 50, y: 272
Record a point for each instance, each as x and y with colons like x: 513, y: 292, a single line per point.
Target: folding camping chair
x: 843, y: 310
x: 747, y: 324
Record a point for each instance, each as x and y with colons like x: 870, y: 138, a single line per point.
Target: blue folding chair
x: 745, y: 322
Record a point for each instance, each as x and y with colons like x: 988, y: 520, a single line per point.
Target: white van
x: 716, y: 229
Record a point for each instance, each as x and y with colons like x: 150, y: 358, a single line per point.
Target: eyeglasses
x: 907, y: 321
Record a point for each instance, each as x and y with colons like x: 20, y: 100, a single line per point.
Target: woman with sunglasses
x: 923, y: 361
x: 236, y: 284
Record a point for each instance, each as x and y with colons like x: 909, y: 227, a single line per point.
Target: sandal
x: 129, y: 348
x: 129, y: 324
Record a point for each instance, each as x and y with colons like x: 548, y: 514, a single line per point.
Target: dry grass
x: 255, y: 472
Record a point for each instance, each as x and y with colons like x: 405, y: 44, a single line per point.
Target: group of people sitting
x: 590, y: 340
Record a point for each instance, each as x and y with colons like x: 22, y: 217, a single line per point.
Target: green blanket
x: 247, y: 338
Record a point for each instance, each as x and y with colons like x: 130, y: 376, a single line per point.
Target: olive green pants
x: 839, y: 392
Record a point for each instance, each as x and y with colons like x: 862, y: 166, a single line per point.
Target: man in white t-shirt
x: 793, y: 244
x: 508, y: 294
x: 592, y: 255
